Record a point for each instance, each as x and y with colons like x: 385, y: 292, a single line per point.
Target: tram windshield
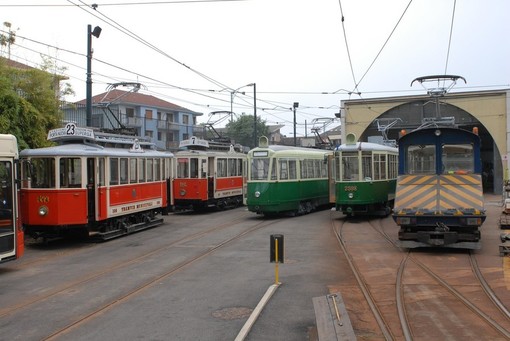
x: 40, y: 172
x: 421, y: 159
x: 458, y: 159
x: 259, y: 169
x: 350, y: 167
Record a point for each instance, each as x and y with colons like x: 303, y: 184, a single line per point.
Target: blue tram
x: 439, y: 196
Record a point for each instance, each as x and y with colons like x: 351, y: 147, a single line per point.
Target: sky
x: 201, y: 54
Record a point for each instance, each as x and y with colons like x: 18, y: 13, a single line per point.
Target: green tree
x: 241, y: 130
x: 28, y: 106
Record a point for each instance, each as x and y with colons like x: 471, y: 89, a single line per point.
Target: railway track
x: 411, y: 265
x: 89, y: 279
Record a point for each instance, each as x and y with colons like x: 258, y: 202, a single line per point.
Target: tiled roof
x: 136, y: 99
x: 15, y: 64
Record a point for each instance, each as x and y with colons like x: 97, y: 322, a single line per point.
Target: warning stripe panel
x: 439, y: 193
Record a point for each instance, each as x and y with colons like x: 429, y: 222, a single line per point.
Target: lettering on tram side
x: 351, y: 188
x: 123, y: 209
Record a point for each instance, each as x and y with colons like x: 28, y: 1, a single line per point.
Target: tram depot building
x: 489, y: 111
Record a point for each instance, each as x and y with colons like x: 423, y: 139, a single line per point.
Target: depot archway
x: 489, y: 111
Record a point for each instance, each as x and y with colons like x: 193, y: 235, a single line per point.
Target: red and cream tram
x: 11, y: 233
x: 93, y: 184
x: 208, y: 174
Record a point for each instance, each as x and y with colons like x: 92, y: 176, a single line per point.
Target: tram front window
x: 182, y: 168
x: 259, y: 169
x: 421, y: 159
x: 70, y: 172
x: 42, y: 172
x: 458, y: 159
x: 350, y: 167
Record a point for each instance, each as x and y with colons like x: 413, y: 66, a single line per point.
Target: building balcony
x: 134, y: 121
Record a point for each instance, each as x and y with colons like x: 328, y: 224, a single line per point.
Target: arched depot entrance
x: 370, y: 119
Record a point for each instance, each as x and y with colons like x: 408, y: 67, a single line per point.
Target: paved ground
x: 208, y: 300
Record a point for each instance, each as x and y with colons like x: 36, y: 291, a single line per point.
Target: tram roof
x: 291, y: 149
x: 75, y: 149
x: 366, y: 146
x: 193, y: 152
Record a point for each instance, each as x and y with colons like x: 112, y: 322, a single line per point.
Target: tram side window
x: 221, y: 170
x: 70, y: 172
x: 283, y: 168
x: 259, y: 169
x: 101, y: 169
x: 150, y: 170
x: 141, y: 170
x: 157, y: 169
x: 350, y: 167
x: 421, y: 159
x: 114, y: 171
x: 124, y: 171
x: 292, y: 170
x: 133, y: 171
x: 240, y: 167
x: 182, y: 167
x: 458, y: 159
x: 392, y: 166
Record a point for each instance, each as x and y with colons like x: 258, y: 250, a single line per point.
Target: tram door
x: 7, y: 211
x: 331, y: 178
x: 210, y: 179
x: 91, y: 189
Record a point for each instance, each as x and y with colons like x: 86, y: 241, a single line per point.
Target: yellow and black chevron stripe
x: 456, y: 194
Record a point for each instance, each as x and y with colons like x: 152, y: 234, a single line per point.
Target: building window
x: 185, y: 119
x: 170, y: 117
x: 160, y: 136
x: 148, y: 114
x: 130, y: 112
x: 149, y: 133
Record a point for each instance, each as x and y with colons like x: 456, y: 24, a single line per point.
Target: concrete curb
x: 256, y: 312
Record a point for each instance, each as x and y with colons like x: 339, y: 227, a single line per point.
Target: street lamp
x: 296, y: 104
x: 232, y: 93
x: 90, y: 33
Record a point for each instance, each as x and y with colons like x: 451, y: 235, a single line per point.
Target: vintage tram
x: 439, y: 197
x: 365, y: 177
x: 208, y: 174
x: 283, y: 179
x: 11, y: 232
x: 92, y: 183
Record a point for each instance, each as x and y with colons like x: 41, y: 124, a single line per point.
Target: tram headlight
x: 182, y: 192
x: 350, y: 195
x: 43, y: 210
x: 257, y: 194
x: 473, y: 221
x: 403, y: 221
